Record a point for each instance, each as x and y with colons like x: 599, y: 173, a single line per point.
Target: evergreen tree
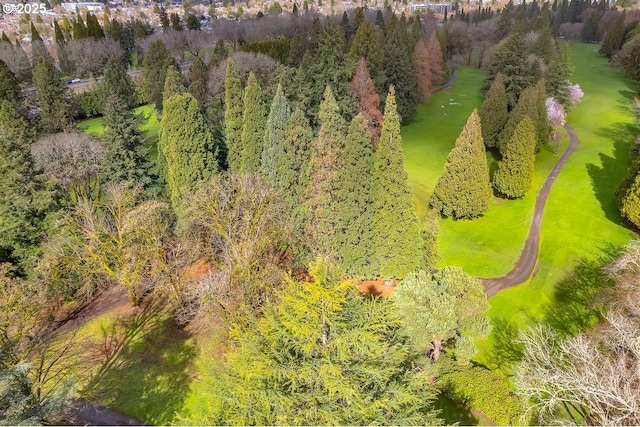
x: 294, y: 178
x: 9, y: 88
x: 532, y: 105
x: 117, y: 82
x: 422, y: 66
x: 463, y: 189
x: 54, y: 98
x: 253, y: 125
x: 164, y: 19
x: 233, y: 117
x: 58, y: 36
x: 380, y: 21
x: 443, y: 311
x: 558, y: 77
x: 324, y: 227
x: 515, y: 170
x: 590, y: 27
x: 175, y: 22
x: 396, y: 229
x: 154, y: 71
x: 5, y: 38
x: 511, y: 60
x: 399, y: 70
x: 368, y: 100
x: 79, y: 29
x: 273, y: 164
x: 323, y: 355
x: 355, y: 244
x: 38, y: 48
x: 368, y: 44
x: 173, y: 84
x: 193, y: 22
x: 124, y: 155
x: 25, y: 197
x: 187, y: 144
x: 93, y: 27
x: 430, y: 231
x: 494, y: 112
x: 198, y: 81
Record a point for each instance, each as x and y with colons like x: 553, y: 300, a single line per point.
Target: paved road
x: 529, y: 256
x: 88, y: 414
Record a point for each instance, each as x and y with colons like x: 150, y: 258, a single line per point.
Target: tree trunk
x: 437, y: 348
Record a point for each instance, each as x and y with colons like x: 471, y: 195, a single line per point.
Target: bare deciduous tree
x: 594, y: 376
x: 72, y: 161
x: 240, y: 224
x: 89, y: 56
x: 17, y: 60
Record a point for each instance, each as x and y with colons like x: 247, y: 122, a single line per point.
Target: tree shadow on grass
x: 453, y: 412
x: 145, y: 366
x: 606, y: 177
x: 575, y: 305
x: 505, y: 352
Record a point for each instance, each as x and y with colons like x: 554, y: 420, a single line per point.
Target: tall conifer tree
x: 273, y: 163
x: 233, y: 117
x: 117, y: 81
x: 515, y: 170
x: 54, y: 97
x: 154, y: 71
x: 399, y: 69
x: 463, y: 189
x: 396, y: 228
x: 354, y: 199
x: 124, y: 156
x: 324, y: 227
x: 367, y: 44
x: 368, y: 100
x: 254, y: 120
x: 494, y: 112
x: 422, y: 66
x: 188, y: 145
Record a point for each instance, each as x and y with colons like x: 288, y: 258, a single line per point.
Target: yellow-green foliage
x: 322, y: 355
x: 233, y: 117
x: 463, y: 190
x: 515, y: 170
x: 485, y: 391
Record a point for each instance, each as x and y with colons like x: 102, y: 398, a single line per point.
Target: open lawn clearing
x: 581, y: 220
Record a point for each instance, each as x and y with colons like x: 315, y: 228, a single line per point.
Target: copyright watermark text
x: 20, y: 8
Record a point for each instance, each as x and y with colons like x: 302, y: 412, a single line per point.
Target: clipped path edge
x: 529, y: 256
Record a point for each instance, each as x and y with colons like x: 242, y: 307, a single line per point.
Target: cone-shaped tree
x: 233, y: 117
x: 173, y: 84
x: 367, y: 44
x: 422, y: 65
x: 529, y: 105
x: 124, y: 155
x: 354, y: 200
x: 324, y: 226
x: 273, y: 163
x: 398, y: 69
x: 117, y: 82
x: 187, y: 144
x: 438, y: 73
x: 368, y: 100
x: 463, y: 189
x: 253, y: 123
x: 79, y: 29
x: 198, y: 80
x: 511, y: 60
x: 494, y: 112
x: 628, y: 195
x: 58, y: 36
x: 515, y: 170
x: 154, y: 71
x: 54, y: 97
x: 9, y: 88
x: 396, y: 228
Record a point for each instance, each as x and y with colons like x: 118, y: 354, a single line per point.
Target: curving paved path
x: 529, y: 256
x: 88, y: 414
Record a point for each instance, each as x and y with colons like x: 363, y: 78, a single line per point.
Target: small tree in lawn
x: 463, y: 190
x: 556, y: 117
x: 422, y: 66
x: 575, y: 95
x: 515, y: 170
x: 396, y: 228
x: 254, y: 119
x: 494, y: 112
x: 443, y: 311
x: 368, y: 100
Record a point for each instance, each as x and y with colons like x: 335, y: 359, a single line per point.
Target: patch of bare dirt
x: 115, y: 300
x: 379, y: 287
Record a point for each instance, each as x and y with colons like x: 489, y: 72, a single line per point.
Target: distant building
x: 90, y: 6
x: 434, y: 7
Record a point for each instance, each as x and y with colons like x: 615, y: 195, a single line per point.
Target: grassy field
x: 150, y: 128
x: 581, y: 221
